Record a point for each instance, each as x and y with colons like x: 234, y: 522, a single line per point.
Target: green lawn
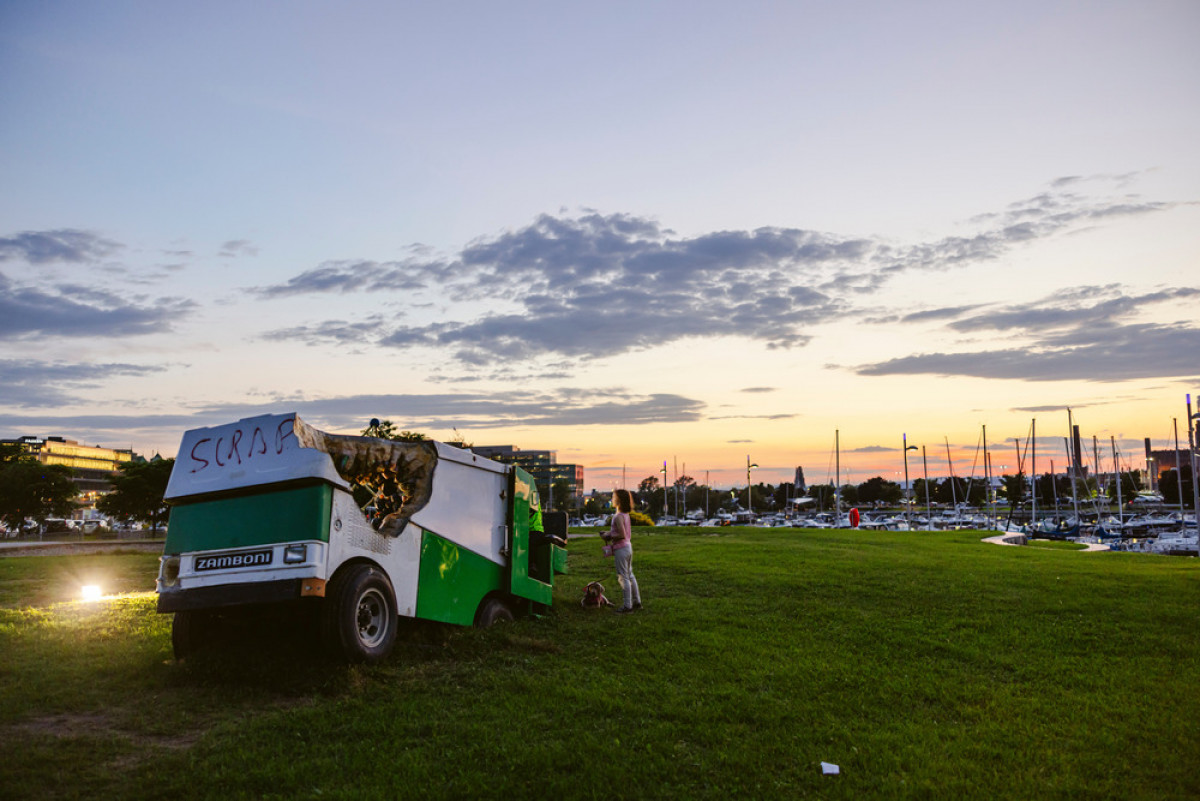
x: 923, y: 664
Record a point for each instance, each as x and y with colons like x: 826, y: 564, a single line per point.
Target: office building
x: 543, y: 466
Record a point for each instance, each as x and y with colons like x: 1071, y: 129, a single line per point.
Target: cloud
x: 32, y: 384
x: 62, y: 245
x: 782, y: 416
x: 78, y: 311
x: 358, y: 276
x: 1078, y: 334
x: 1080, y: 306
x: 350, y: 414
x: 574, y: 286
x: 334, y: 331
x: 1098, y: 352
x: 238, y: 247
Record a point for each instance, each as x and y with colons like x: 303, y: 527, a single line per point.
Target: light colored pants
x: 623, y: 557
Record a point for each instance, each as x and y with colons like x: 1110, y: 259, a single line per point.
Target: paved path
x: 62, y: 547
x: 1012, y: 538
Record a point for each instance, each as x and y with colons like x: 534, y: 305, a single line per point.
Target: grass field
x: 922, y: 664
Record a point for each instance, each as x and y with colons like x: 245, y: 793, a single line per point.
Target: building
x: 1159, y: 463
x: 93, y: 465
x: 542, y: 465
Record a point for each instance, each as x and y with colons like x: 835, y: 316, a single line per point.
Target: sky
x: 701, y: 233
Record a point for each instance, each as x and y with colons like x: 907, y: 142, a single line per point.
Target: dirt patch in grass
x: 72, y: 725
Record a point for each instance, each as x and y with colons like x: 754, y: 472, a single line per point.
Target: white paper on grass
x: 830, y: 769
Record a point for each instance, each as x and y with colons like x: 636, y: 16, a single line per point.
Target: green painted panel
x: 263, y: 518
x: 526, y: 514
x: 452, y: 581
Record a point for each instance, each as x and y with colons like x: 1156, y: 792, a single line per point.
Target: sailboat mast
x: 1179, y: 476
x: 837, y: 476
x: 950, y: 464
x: 1195, y: 478
x: 1074, y: 465
x: 987, y: 479
x: 1117, y: 472
x: 1054, y: 489
x: 1072, y: 469
x: 1033, y: 470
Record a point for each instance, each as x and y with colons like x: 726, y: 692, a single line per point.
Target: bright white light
x: 91, y: 593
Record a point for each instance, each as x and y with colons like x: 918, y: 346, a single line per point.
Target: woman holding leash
x: 618, y: 537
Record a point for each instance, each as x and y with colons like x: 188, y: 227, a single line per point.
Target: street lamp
x: 1193, y: 441
x: 928, y: 507
x: 907, y: 448
x: 664, y: 474
x: 749, y: 502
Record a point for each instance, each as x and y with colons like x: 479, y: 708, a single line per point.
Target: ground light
x: 91, y: 592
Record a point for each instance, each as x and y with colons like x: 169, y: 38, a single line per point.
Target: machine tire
x: 493, y: 611
x: 191, y: 632
x: 360, y: 615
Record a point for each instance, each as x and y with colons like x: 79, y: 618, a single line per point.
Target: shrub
x: 639, y: 519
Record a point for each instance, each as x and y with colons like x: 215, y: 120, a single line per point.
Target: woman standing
x: 618, y: 536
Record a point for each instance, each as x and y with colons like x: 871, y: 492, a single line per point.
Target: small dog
x: 593, y: 596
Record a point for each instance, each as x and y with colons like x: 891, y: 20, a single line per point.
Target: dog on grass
x: 593, y: 596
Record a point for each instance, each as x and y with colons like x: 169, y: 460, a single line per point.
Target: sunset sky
x: 696, y: 232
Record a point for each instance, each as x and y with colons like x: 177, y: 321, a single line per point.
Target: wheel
x: 360, y: 615
x: 491, y: 612
x: 191, y: 631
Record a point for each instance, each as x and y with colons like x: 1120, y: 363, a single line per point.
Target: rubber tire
x: 491, y: 612
x: 191, y: 632
x: 360, y: 615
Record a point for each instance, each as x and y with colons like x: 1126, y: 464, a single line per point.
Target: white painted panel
x: 350, y: 536
x: 468, y: 504
x: 257, y: 450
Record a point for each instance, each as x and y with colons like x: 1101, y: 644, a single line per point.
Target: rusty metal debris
x: 391, y: 480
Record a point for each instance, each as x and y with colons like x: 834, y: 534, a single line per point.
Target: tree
x: 11, y: 451
x: 651, y: 495
x: 950, y: 490
x: 30, y: 489
x: 1013, y: 488
x: 822, y: 494
x: 459, y: 441
x: 386, y: 429
x: 1131, y: 485
x: 977, y: 491
x: 137, y: 492
x: 783, y: 493
x: 648, y: 484
x: 879, y: 489
x: 919, y: 485
x: 1169, y: 483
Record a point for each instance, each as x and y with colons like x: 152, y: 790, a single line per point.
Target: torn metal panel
x: 391, y: 480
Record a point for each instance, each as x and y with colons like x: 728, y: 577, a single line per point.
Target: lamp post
x: 928, y: 507
x: 749, y: 497
x: 1194, y: 440
x: 664, y: 475
x: 907, y: 448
